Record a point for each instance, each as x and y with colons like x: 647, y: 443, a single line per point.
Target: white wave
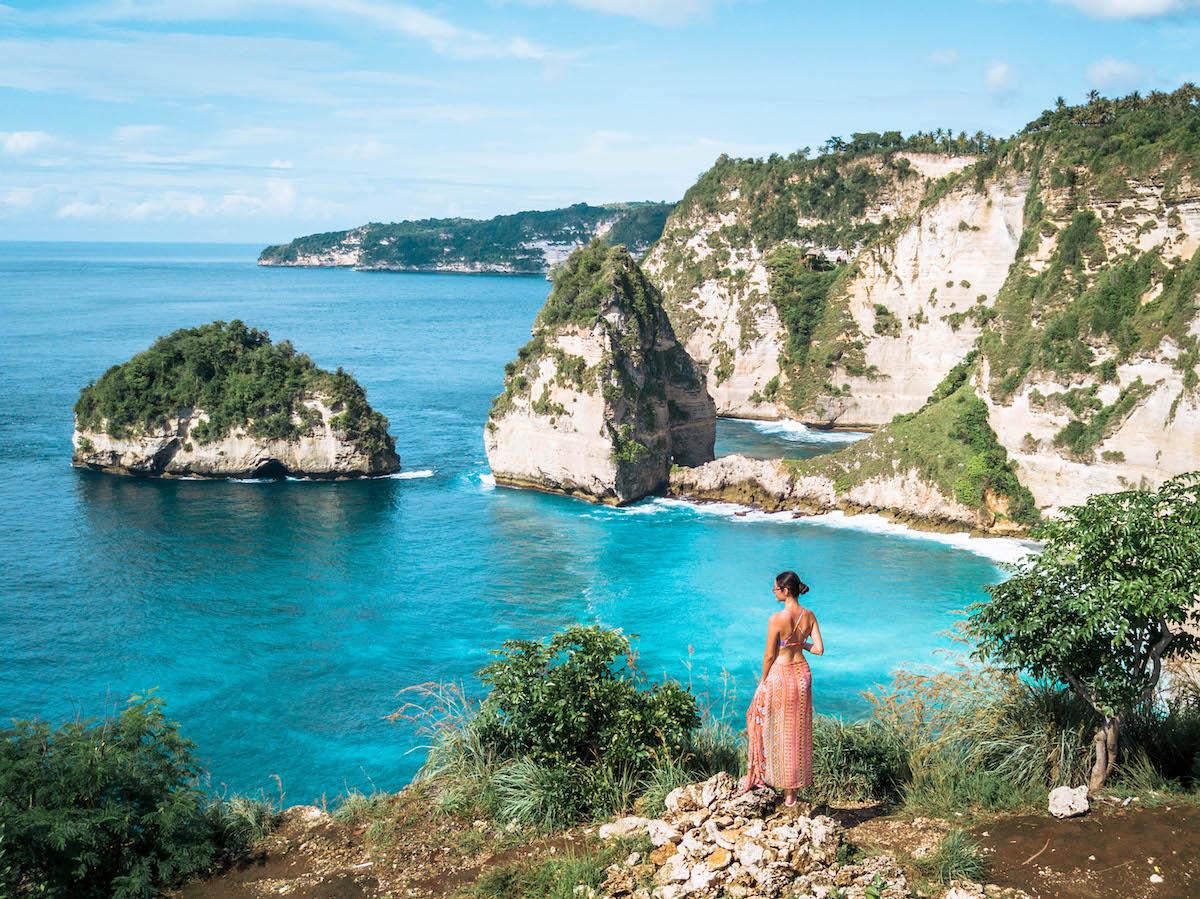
x: 410, y: 475
x: 800, y: 433
x: 998, y: 549
x: 646, y: 507
x: 259, y: 480
x: 488, y: 481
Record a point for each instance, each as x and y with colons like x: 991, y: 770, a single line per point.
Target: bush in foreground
x: 568, y: 732
x: 1109, y: 599
x: 111, y: 808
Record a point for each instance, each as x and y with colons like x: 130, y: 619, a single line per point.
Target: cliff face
x: 603, y: 399
x: 1096, y: 390
x: 525, y: 242
x: 171, y: 449
x: 222, y: 400
x: 714, y: 262
x: 1062, y: 262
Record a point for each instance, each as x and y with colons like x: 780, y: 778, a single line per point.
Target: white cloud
x: 1109, y: 72
x: 78, y: 209
x: 280, y: 164
x: 658, y: 12
x: 20, y: 142
x: 18, y: 197
x: 1131, y: 9
x: 999, y: 77
x: 129, y: 134
x: 947, y: 56
x: 368, y: 149
x: 278, y: 197
x: 439, y: 34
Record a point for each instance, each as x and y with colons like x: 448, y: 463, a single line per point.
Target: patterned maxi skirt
x: 779, y: 727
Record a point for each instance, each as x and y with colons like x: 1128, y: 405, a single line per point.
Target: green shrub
x: 861, y: 761
x: 567, y: 732
x: 568, y: 699
x: 110, y: 808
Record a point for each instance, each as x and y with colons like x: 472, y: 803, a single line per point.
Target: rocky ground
x: 710, y: 843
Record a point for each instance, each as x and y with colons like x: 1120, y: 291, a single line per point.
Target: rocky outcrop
x: 171, y: 449
x: 603, y: 399
x: 777, y: 485
x: 712, y: 843
x: 223, y: 401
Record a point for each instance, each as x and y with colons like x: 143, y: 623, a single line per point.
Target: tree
x: 1104, y: 604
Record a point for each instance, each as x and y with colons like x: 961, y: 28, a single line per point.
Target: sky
x: 259, y: 120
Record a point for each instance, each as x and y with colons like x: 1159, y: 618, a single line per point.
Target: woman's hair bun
x: 790, y: 582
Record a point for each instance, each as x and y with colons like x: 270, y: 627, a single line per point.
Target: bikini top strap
x: 786, y: 640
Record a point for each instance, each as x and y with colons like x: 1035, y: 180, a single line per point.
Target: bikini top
x: 788, y: 641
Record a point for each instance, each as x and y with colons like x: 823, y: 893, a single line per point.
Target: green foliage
x: 567, y: 732
x: 981, y: 738
x: 554, y: 878
x: 957, y: 857
x: 567, y: 699
x: 1114, y: 139
x: 1116, y: 575
x: 1050, y: 320
x: 111, y: 808
x: 505, y: 241
x: 1104, y: 603
x: 858, y: 761
x: 1080, y: 438
x: 237, y: 376
x: 948, y: 442
x: 886, y: 322
x: 800, y: 294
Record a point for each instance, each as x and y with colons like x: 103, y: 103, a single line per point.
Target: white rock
x: 623, y: 827
x: 718, y: 788
x: 1066, y: 802
x: 661, y: 833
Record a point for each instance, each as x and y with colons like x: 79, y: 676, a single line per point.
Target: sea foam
x: 800, y: 433
x: 1002, y: 550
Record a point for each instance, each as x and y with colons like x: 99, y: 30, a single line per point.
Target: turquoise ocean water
x: 280, y: 619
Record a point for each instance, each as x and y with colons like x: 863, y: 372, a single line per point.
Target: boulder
x: 1068, y: 802
x: 624, y: 827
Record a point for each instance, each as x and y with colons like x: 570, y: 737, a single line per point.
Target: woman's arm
x: 815, y: 644
x: 772, y: 650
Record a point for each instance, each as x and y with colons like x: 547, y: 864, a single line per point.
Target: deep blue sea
x: 280, y: 619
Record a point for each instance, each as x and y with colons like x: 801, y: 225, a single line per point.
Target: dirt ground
x: 1111, y: 852
x: 1108, y: 852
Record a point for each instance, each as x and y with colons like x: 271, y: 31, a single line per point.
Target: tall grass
x: 981, y: 737
x: 973, y: 737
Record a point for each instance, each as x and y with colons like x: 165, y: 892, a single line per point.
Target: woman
x: 779, y: 722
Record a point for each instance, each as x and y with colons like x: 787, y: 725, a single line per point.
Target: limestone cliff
x: 1062, y: 262
x: 603, y: 399
x: 222, y: 401
x: 718, y: 261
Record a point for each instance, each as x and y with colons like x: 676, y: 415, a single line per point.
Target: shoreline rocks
x: 773, y: 486
x: 172, y: 451
x: 603, y: 399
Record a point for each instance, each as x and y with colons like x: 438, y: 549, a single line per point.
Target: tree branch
x: 1156, y: 654
x: 1081, y: 689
